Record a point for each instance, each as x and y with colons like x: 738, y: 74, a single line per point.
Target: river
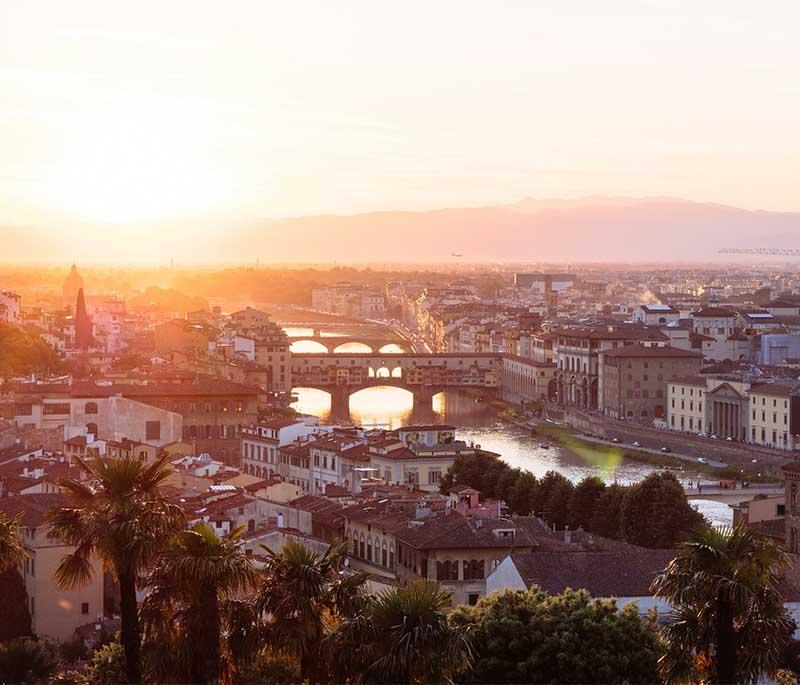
x: 387, y: 407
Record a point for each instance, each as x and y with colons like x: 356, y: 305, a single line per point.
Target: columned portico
x: 726, y: 419
x: 725, y: 411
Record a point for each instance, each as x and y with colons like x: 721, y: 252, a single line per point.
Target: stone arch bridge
x: 423, y: 375
x: 333, y: 342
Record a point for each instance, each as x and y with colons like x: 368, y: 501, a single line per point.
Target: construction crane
x: 775, y: 251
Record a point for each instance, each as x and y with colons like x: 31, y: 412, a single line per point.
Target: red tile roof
x: 33, y: 508
x: 650, y: 352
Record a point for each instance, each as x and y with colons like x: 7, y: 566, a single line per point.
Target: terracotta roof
x: 619, y: 572
x: 454, y: 531
x: 697, y: 381
x: 772, y: 389
x: 401, y: 453
x: 277, y: 424
x: 714, y: 313
x: 13, y: 485
x: 614, y: 333
x: 199, y: 387
x: 642, y: 351
x: 33, y: 508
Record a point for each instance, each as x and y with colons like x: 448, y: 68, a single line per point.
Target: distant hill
x: 588, y: 229
x: 595, y: 228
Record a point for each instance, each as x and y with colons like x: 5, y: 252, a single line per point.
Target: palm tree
x: 303, y: 596
x: 190, y: 593
x: 24, y: 660
x: 12, y: 551
x: 402, y: 636
x: 119, y: 517
x: 729, y: 615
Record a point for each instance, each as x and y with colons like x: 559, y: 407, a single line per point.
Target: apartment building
x: 578, y: 357
x: 633, y: 379
x: 731, y: 406
x: 260, y: 443
x: 55, y: 612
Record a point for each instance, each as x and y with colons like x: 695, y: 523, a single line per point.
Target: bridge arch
x: 308, y: 345
x: 353, y: 347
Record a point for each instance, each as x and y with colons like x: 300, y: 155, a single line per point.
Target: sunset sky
x: 142, y: 111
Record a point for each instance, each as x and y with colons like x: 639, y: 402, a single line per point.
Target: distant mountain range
x: 586, y: 229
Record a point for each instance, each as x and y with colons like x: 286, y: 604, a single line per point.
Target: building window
x: 85, y: 608
x: 473, y: 569
x: 91, y: 408
x: 446, y: 570
x: 152, y: 430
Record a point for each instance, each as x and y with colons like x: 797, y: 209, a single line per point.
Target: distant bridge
x: 333, y: 342
x: 715, y: 493
x: 424, y: 375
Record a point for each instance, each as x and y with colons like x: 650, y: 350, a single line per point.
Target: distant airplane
x: 456, y: 254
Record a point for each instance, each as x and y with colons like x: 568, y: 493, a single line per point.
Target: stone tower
x: 83, y: 324
x: 72, y: 284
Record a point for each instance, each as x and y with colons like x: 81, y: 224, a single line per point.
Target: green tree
x: 269, y: 668
x: 16, y: 620
x: 730, y: 623
x: 583, y: 502
x: 119, y: 516
x: 656, y: 513
x: 606, y: 518
x: 532, y: 637
x: 23, y: 353
x: 523, y: 495
x: 505, y: 484
x: 24, y: 660
x: 479, y: 471
x: 107, y: 666
x: 303, y: 595
x: 552, y: 498
x: 12, y: 551
x: 402, y: 635
x: 187, y: 606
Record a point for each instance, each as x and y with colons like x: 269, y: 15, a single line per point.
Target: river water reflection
x: 386, y: 407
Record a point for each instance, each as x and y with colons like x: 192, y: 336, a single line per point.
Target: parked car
x: 636, y: 443
x: 702, y: 460
x: 615, y: 440
x: 666, y: 449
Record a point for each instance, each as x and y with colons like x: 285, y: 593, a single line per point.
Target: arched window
x: 446, y: 570
x: 91, y: 428
x: 473, y: 569
x: 91, y: 408
x: 793, y: 498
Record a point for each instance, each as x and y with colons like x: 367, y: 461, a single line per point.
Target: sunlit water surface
x: 388, y: 407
